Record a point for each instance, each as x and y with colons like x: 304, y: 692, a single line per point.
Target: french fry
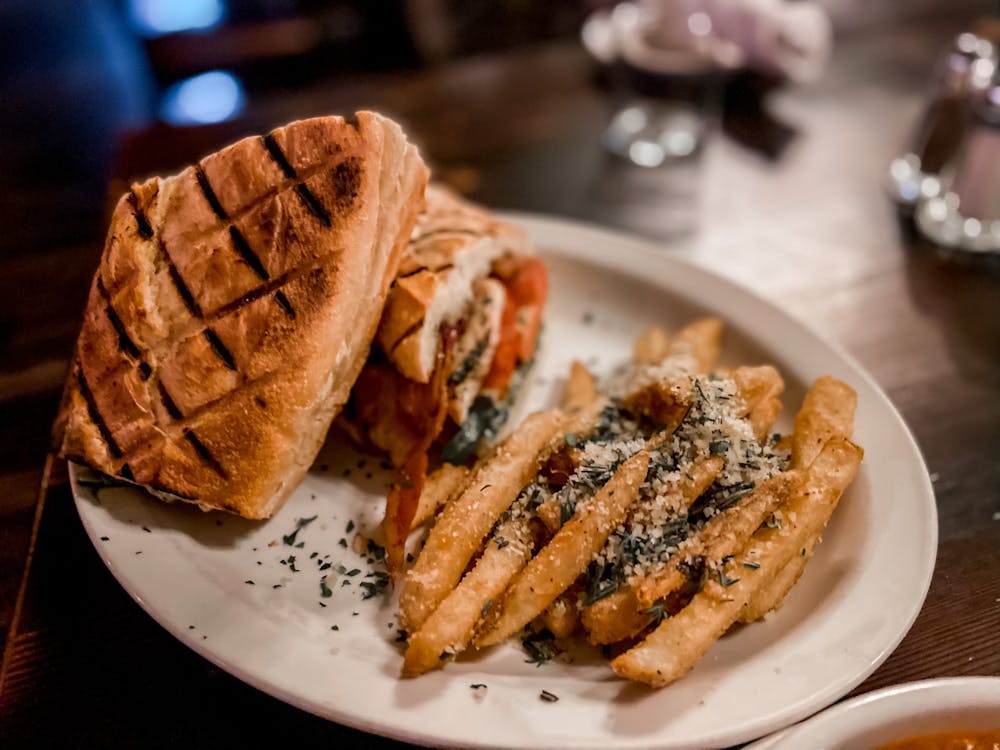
x: 725, y: 534
x: 449, y: 629
x: 652, y: 346
x: 676, y: 645
x: 559, y: 563
x: 827, y: 412
x: 771, y: 596
x: 580, y: 389
x: 561, y: 617
x: 666, y: 402
x: 623, y: 614
x: 614, y: 618
x: 441, y: 486
x: 551, y: 514
x: 464, y: 522
x: 703, y: 337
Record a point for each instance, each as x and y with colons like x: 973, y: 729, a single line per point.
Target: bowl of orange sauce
x: 952, y: 713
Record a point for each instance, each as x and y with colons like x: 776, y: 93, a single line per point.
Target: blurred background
x: 689, y: 126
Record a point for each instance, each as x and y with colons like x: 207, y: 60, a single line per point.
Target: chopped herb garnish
x: 657, y: 612
x: 105, y: 538
x: 751, y: 565
x: 803, y: 553
x: 485, y: 487
x: 718, y: 447
x: 326, y: 566
x: 725, y: 580
x: 445, y: 655
x: 313, y: 555
x: 541, y: 647
x: 548, y: 697
x: 146, y: 529
x: 477, y: 685
x: 353, y: 572
x: 277, y: 586
x: 376, y: 587
x: 249, y: 582
x: 402, y: 636
x: 300, y: 524
x: 350, y: 527
x: 343, y: 542
x: 571, y: 439
x: 345, y: 582
x: 334, y: 627
x: 465, y: 369
x: 486, y: 607
x: 291, y: 564
x: 325, y: 591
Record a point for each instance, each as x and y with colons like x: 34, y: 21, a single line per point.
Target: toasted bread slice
x: 234, y: 307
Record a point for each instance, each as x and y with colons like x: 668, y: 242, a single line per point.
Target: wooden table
x: 807, y: 226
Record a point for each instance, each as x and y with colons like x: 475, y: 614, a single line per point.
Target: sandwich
x: 456, y: 338
x: 233, y: 308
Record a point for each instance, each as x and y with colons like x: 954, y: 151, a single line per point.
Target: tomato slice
x: 520, y: 324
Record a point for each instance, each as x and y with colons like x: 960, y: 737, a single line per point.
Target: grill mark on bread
x: 286, y: 305
x: 182, y: 288
x: 246, y: 252
x: 125, y: 342
x: 406, y: 334
x: 141, y: 222
x: 168, y: 402
x: 276, y: 154
x: 209, y: 193
x: 439, y: 269
x: 302, y: 190
x: 206, y: 455
x: 220, y: 349
x: 313, y: 204
x: 95, y: 414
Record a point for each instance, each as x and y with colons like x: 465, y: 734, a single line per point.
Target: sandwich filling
x: 457, y: 336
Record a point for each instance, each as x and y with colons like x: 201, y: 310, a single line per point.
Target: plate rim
x: 656, y: 252
x: 931, y: 686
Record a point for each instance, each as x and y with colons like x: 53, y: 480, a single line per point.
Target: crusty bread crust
x: 233, y: 309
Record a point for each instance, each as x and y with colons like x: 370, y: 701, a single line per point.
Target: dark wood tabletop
x: 787, y: 197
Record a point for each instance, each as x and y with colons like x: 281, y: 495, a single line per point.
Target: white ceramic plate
x: 946, y: 705
x: 843, y: 619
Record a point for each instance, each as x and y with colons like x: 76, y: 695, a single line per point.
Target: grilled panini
x: 233, y: 308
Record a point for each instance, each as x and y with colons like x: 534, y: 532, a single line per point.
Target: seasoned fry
x: 661, y: 508
x: 441, y: 486
x: 725, y: 534
x: 704, y: 337
x: 671, y: 650
x: 561, y: 617
x: 614, y: 618
x: 666, y: 402
x: 580, y: 389
x: 771, y: 596
x: 827, y: 412
x: 651, y: 347
x: 623, y: 614
x: 464, y: 522
x: 449, y: 628
x: 559, y: 563
x: 551, y: 514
